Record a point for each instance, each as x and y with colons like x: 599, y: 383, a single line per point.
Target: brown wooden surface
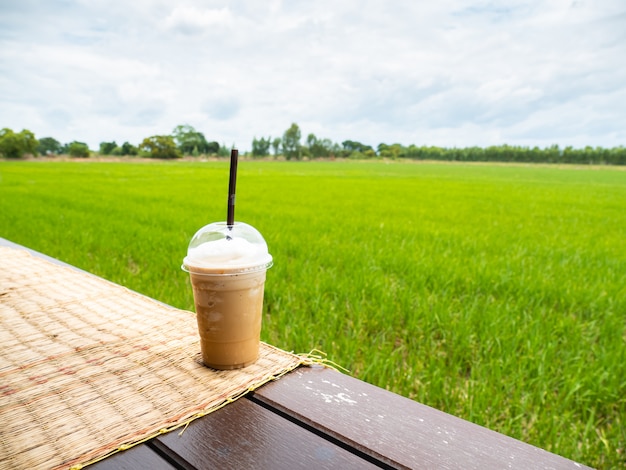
x: 134, y: 458
x: 245, y: 435
x: 396, y: 430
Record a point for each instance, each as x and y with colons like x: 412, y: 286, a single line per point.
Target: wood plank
x: 246, y: 435
x: 137, y: 457
x: 396, y: 430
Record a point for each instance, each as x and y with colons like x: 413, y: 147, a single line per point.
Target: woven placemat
x: 88, y: 367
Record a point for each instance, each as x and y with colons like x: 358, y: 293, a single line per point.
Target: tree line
x: 187, y: 141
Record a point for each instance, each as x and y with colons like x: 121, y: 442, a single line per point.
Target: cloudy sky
x: 446, y: 72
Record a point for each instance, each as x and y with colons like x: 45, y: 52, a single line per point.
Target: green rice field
x: 496, y: 293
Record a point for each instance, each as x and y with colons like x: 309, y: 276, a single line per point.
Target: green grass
x: 492, y: 292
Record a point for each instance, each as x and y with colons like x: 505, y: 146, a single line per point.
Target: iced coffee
x: 227, y: 266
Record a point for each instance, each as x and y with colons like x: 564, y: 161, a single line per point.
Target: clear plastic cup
x: 227, y: 267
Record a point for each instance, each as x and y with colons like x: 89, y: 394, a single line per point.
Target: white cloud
x: 448, y: 73
x: 192, y: 20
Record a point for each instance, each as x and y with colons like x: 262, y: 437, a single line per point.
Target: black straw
x: 232, y: 182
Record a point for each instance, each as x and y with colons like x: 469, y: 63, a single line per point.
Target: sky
x: 451, y: 73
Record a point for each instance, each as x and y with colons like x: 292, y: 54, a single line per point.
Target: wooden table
x: 315, y: 417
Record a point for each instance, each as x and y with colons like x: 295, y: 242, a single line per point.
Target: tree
x: 117, y: 151
x: 78, y: 149
x: 16, y: 145
x: 261, y: 147
x: 106, y: 148
x: 390, y: 151
x: 213, y: 148
x: 224, y: 151
x: 48, y: 146
x: 313, y: 144
x: 276, y: 145
x: 319, y: 148
x: 352, y: 146
x: 291, y: 142
x: 160, y: 146
x: 128, y: 149
x: 188, y: 139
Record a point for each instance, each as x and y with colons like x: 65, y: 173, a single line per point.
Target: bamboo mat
x: 88, y: 368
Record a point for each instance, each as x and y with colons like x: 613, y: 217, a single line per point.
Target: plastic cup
x: 227, y: 267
